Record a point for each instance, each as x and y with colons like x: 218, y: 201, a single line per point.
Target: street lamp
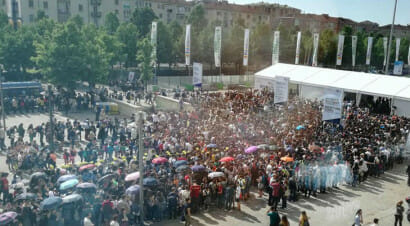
x: 50, y: 111
x: 390, y: 38
x: 139, y: 118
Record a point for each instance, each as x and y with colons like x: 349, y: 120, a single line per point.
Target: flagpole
x: 390, y: 38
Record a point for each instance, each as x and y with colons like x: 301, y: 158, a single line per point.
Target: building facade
x: 218, y: 11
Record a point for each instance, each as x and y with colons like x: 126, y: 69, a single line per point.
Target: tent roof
x: 349, y: 81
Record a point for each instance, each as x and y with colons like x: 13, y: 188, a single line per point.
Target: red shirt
x: 195, y: 191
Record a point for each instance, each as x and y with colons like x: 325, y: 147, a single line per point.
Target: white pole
x: 390, y: 38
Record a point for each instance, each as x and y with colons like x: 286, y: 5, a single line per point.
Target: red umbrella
x: 89, y: 166
x: 182, y: 158
x: 159, y: 160
x: 227, y: 159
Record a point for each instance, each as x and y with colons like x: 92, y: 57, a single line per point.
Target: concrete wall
x: 170, y: 82
x: 170, y: 104
x: 127, y: 109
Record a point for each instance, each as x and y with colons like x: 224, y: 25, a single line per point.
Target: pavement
x: 377, y: 197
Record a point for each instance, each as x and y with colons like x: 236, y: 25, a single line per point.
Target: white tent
x: 313, y: 81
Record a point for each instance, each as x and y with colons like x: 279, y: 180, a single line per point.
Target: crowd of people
x: 212, y: 157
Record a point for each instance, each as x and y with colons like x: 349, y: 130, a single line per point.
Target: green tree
x: 261, y: 45
x: 178, y: 41
x: 41, y: 15
x: 61, y: 58
x: 197, y: 18
x: 347, y: 31
x: 142, y: 18
x: 16, y: 49
x: 232, y: 47
x: 306, y: 48
x: 111, y: 22
x: 165, y: 45
x: 327, y: 48
x: 127, y: 34
x: 144, y: 57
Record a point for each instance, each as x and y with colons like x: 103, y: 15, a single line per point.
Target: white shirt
x: 50, y: 194
x: 87, y: 222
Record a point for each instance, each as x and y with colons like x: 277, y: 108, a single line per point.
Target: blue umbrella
x: 87, y: 187
x: 51, y: 203
x: 211, y: 146
x: 183, y: 168
x: 133, y: 190
x: 299, y: 127
x: 150, y: 181
x: 69, y: 184
x: 65, y: 178
x: 180, y: 163
x: 198, y: 168
x: 26, y: 196
x: 72, y: 199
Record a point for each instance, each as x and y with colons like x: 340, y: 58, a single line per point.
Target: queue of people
x: 195, y: 161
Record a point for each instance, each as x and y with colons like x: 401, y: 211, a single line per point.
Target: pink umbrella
x: 251, y: 149
x: 132, y: 176
x: 159, y: 160
x: 88, y: 166
x: 226, y: 159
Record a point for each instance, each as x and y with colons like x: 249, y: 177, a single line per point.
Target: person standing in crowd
x: 408, y: 175
x: 274, y: 217
x: 398, y: 216
x: 238, y: 196
x: 304, y: 219
x: 2, y: 138
x: 358, y: 218
x: 187, y: 212
x: 284, y: 221
x: 375, y: 222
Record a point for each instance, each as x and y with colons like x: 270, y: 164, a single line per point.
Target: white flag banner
x: 315, y: 49
x: 281, y: 89
x: 217, y: 46
x: 197, y: 74
x: 246, y: 48
x: 354, y: 47
x: 298, y: 47
x: 397, y: 48
x: 154, y: 42
x: 408, y: 57
x: 188, y: 45
x: 340, y: 50
x: 369, y: 50
x: 385, y: 50
x: 275, y: 50
x: 332, y: 104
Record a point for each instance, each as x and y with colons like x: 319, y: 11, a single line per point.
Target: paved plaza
x: 376, y: 196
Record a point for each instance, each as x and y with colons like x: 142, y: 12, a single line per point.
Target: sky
x: 379, y: 11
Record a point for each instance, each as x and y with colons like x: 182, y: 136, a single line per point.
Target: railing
x: 182, y: 81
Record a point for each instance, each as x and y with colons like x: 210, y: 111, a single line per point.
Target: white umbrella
x: 216, y: 174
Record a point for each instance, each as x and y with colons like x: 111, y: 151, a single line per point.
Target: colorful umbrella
x: 150, y: 181
x: 182, y: 158
x: 287, y: 159
x: 251, y: 149
x: 183, y: 168
x: 132, y: 176
x: 263, y: 146
x: 51, y: 203
x: 211, y: 146
x: 7, y: 217
x: 74, y: 198
x: 85, y: 167
x: 180, y: 163
x: 159, y: 160
x: 65, y: 178
x: 299, y: 127
x: 226, y: 159
x: 216, y: 174
x: 133, y: 190
x: 106, y: 177
x: 87, y: 187
x: 198, y: 168
x: 69, y: 184
x: 26, y: 196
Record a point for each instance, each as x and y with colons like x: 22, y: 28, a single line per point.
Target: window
x: 218, y: 13
x: 117, y: 12
x: 45, y: 5
x: 160, y: 15
x: 116, y: 2
x: 30, y: 3
x: 3, y: 2
x: 31, y: 18
x: 80, y: 8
